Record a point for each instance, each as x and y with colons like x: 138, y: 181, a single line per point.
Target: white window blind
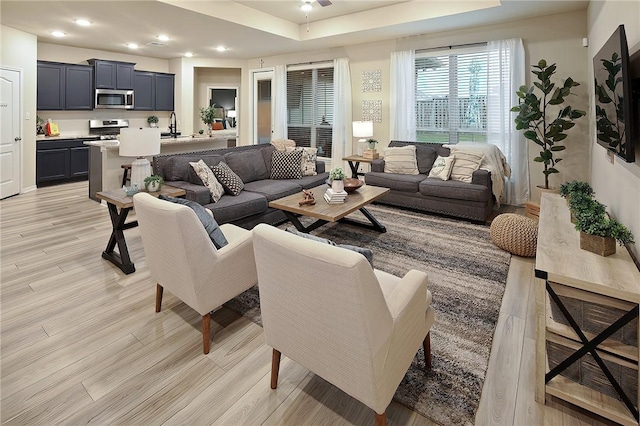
x: 451, y: 96
x: 310, y: 108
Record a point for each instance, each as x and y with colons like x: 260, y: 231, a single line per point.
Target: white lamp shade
x: 362, y: 129
x: 139, y: 142
x: 231, y: 113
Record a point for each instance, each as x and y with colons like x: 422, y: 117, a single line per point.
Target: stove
x: 107, y: 129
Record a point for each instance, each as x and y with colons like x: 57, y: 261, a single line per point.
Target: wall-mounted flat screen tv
x: 613, y: 97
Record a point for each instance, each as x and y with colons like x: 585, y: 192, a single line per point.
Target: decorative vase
x: 210, y: 129
x: 337, y: 185
x: 153, y: 186
x: 153, y: 124
x: 604, y: 246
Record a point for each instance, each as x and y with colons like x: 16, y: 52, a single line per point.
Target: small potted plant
x: 208, y: 115
x: 581, y: 203
x: 153, y: 183
x: 575, y: 187
x: 599, y: 233
x: 372, y: 143
x: 153, y: 121
x: 371, y: 152
x: 337, y: 179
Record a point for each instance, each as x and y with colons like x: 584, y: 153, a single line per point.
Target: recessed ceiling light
x: 132, y: 45
x: 188, y: 54
x: 58, y: 34
x: 221, y: 48
x: 162, y: 37
x: 83, y: 22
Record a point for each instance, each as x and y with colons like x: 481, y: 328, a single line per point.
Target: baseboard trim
x: 28, y: 189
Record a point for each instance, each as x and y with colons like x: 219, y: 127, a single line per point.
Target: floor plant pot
x: 604, y: 246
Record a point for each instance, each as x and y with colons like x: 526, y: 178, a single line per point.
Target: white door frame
x: 18, y: 146
x: 256, y: 75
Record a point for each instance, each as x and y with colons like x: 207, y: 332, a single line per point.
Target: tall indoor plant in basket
x: 536, y: 115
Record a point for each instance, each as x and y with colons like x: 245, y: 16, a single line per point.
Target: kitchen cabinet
x: 153, y: 91
x: 112, y: 74
x: 64, y: 86
x: 61, y: 160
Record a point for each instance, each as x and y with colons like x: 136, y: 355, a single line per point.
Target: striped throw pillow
x: 465, y: 164
x: 401, y: 160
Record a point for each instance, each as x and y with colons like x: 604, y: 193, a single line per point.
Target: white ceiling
x: 256, y: 28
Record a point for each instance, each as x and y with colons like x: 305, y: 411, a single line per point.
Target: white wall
x: 617, y: 185
x: 556, y: 38
x: 19, y: 50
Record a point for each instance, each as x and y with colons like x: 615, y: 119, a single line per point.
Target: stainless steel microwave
x: 115, y: 99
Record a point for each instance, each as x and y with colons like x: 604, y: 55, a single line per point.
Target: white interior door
x: 262, y: 104
x: 10, y: 132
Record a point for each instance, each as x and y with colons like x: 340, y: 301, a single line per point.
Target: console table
x: 566, y: 273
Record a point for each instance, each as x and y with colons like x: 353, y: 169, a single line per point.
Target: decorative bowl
x: 352, y: 184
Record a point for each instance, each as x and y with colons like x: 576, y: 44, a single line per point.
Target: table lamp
x: 364, y: 130
x: 232, y: 114
x: 139, y: 142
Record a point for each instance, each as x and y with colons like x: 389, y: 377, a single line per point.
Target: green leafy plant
x: 567, y: 189
x: 611, y: 130
x: 372, y: 143
x: 584, y: 204
x: 153, y: 179
x: 535, y: 119
x: 209, y: 114
x: 152, y: 119
x: 337, y: 174
x: 594, y: 223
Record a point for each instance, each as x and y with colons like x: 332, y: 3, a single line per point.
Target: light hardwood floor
x: 81, y: 343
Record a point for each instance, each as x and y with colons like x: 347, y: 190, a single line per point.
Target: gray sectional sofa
x: 472, y: 201
x: 253, y: 165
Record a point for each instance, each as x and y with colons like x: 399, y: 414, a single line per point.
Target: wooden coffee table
x: 325, y: 212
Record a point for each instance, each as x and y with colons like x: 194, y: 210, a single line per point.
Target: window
x: 451, y: 96
x: 310, y: 108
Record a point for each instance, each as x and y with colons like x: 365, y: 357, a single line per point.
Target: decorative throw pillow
x: 442, y: 167
x: 465, y: 164
x: 230, y: 181
x: 282, y: 144
x: 368, y: 254
x: 286, y: 165
x: 401, y: 160
x: 309, y: 157
x: 217, y: 126
x: 210, y: 225
x: 208, y: 179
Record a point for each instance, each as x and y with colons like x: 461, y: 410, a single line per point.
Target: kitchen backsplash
x: 76, y: 123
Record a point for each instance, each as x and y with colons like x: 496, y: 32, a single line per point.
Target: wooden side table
x: 354, y: 163
x: 116, y: 199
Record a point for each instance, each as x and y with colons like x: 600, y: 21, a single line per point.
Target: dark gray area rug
x: 467, y: 277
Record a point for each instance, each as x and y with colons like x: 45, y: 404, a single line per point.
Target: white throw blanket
x: 493, y: 161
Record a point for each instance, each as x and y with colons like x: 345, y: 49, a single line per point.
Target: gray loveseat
x: 472, y: 201
x: 253, y: 165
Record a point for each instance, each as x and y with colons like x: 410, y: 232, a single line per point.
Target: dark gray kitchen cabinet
x: 144, y: 90
x: 50, y: 89
x: 112, y: 74
x: 78, y: 87
x: 164, y: 92
x: 61, y: 160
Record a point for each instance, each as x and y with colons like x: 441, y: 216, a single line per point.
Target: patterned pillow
x: 286, y: 165
x: 466, y: 163
x: 208, y: 179
x: 401, y: 160
x: 309, y: 157
x: 229, y: 180
x: 210, y: 225
x: 442, y: 167
x: 283, y: 144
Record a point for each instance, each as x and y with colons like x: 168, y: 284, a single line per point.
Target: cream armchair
x: 182, y: 258
x: 327, y: 309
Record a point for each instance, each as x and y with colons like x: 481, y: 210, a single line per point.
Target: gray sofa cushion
x: 267, y: 152
x: 230, y: 208
x: 425, y: 155
x: 195, y: 192
x: 394, y: 181
x: 310, y: 181
x: 452, y: 189
x: 248, y: 165
x: 273, y: 189
x: 178, y: 168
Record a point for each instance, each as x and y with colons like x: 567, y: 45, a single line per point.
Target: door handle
x: 17, y: 139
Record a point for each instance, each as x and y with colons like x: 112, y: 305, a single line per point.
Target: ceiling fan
x: 307, y: 4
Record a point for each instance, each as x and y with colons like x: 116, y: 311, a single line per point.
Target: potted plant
x: 337, y: 179
x: 582, y: 203
x: 208, y: 115
x: 153, y: 183
x: 599, y: 233
x: 575, y: 187
x: 153, y: 121
x: 372, y: 143
x: 535, y: 116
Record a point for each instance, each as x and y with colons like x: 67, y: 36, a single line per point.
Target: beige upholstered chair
x: 182, y: 258
x: 327, y: 309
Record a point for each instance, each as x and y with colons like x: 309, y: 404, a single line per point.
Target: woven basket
x: 515, y: 233
x: 604, y: 246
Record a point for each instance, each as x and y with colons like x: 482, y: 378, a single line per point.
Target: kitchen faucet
x: 173, y: 125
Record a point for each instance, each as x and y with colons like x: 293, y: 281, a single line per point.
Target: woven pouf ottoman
x: 515, y: 233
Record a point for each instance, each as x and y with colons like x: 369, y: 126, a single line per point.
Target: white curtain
x: 279, y: 102
x: 341, y: 129
x: 402, y: 103
x: 506, y: 59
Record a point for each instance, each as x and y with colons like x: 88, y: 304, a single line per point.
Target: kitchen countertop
x: 115, y: 144
x: 65, y: 137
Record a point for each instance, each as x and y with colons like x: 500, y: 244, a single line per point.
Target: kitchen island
x: 105, y: 171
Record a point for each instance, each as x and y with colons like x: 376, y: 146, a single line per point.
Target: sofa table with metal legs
x: 354, y: 162
x: 119, y: 206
